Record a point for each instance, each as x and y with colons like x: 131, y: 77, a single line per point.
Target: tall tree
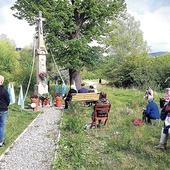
x: 9, y: 57
x: 70, y: 27
x: 125, y: 38
x: 125, y: 45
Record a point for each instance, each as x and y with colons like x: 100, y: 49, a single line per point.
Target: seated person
x: 149, y: 92
x: 95, y: 88
x: 68, y: 98
x: 91, y: 89
x: 165, y: 99
x: 83, y: 89
x: 102, y: 100
x: 167, y: 94
x: 166, y: 128
x: 151, y: 111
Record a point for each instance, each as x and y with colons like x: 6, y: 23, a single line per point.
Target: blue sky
x: 154, y: 16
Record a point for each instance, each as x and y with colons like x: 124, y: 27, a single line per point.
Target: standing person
x: 4, y: 103
x: 100, y: 81
x: 151, y: 111
x: 165, y: 115
x: 83, y: 89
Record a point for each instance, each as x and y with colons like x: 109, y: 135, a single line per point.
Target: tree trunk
x: 75, y: 76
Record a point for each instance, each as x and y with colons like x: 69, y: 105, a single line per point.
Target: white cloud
x: 155, y: 24
x: 156, y: 28
x: 15, y: 29
x: 154, y: 16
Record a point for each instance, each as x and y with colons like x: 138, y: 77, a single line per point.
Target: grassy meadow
x: 122, y: 146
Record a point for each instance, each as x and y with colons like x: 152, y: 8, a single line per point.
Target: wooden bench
x: 85, y: 97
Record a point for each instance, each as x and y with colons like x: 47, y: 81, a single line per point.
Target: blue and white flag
x: 13, y: 94
x: 63, y: 90
x: 56, y: 87
x: 9, y: 92
x: 21, y: 98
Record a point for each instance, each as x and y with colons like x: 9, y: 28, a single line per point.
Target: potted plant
x: 45, y: 99
x: 34, y: 101
x: 58, y: 99
x: 34, y: 96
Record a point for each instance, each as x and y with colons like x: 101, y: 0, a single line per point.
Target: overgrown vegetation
x: 122, y: 146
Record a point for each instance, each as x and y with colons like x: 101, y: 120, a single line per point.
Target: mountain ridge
x: 158, y: 53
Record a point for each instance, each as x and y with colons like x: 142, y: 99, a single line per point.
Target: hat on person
x: 150, y: 98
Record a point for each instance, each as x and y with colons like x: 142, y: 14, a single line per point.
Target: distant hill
x: 158, y: 53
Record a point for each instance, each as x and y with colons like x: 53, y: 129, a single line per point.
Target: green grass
x: 122, y: 146
x: 16, y: 123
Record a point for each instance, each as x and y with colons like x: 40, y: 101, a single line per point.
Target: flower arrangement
x: 46, y: 96
x: 57, y: 94
x: 34, y: 96
x: 42, y: 75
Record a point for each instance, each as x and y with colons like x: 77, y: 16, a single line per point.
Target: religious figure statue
x: 41, y: 45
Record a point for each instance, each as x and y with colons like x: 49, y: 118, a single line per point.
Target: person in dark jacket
x: 83, y: 89
x: 151, y: 111
x: 165, y: 115
x: 69, y: 96
x: 4, y: 103
x: 91, y: 89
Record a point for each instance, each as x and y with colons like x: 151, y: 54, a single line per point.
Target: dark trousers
x: 146, y: 118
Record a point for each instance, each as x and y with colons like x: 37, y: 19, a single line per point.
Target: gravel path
x: 35, y: 148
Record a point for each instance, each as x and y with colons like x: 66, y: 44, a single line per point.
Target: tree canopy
x: 70, y: 26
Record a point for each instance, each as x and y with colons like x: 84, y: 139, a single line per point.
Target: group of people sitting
x: 152, y: 112
x: 83, y: 89
x: 102, y: 98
